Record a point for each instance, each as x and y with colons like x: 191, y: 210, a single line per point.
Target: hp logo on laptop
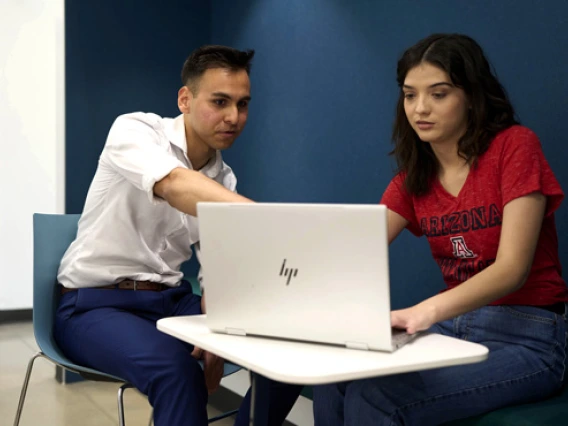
x: 288, y: 272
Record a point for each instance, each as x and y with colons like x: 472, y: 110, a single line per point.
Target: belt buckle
x: 135, y: 285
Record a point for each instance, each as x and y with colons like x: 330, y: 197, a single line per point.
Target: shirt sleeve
x: 397, y: 199
x: 228, y: 178
x: 524, y: 169
x: 139, y: 152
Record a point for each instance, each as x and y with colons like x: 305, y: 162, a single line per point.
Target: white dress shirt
x: 125, y: 231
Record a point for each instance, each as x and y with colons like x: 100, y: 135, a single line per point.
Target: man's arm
x: 184, y: 188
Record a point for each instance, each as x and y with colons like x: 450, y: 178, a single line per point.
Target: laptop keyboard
x: 401, y: 337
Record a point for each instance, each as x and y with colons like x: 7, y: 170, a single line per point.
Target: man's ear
x: 184, y: 99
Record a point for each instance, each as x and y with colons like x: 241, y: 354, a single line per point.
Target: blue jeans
x: 114, y: 331
x: 526, y: 363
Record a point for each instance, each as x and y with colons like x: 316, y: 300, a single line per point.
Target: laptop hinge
x: 235, y: 331
x: 357, y: 345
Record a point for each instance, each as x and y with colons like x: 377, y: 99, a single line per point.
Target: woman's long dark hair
x: 491, y: 111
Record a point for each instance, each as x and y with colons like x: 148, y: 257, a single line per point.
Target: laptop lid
x: 313, y: 272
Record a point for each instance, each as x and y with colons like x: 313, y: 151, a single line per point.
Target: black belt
x: 128, y: 285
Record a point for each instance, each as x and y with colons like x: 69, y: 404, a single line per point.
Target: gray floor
x: 48, y: 403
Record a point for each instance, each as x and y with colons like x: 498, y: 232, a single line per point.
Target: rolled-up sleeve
x: 137, y: 151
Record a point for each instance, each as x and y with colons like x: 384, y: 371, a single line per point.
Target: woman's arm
x: 396, y: 223
x: 522, y: 222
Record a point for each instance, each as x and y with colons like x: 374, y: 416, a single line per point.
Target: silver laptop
x: 310, y: 272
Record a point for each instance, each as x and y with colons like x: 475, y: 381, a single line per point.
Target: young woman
x: 476, y: 184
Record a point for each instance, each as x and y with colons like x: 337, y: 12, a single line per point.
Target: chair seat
x: 550, y: 412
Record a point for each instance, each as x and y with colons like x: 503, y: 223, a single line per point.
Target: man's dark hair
x: 213, y: 56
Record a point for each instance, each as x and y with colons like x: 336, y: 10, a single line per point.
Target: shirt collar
x: 175, y: 131
x: 176, y: 135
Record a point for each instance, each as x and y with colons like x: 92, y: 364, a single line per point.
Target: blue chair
x: 550, y: 412
x: 52, y: 235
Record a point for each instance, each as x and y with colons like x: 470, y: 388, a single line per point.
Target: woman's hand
x: 414, y: 319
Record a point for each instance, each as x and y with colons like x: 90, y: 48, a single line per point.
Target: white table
x: 312, y: 363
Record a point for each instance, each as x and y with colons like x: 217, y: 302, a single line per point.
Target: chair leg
x: 211, y: 420
x: 222, y: 416
x: 121, y: 403
x: 25, y: 387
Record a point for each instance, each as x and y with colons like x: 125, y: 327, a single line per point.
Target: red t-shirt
x: 463, y: 231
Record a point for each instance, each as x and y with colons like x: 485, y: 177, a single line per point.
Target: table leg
x: 259, y: 400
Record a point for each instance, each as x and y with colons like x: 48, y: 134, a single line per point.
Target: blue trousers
x: 114, y: 331
x: 527, y: 358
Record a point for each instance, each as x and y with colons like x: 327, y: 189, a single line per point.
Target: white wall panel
x: 32, y: 140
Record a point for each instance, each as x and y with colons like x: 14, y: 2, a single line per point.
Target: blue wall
x: 324, y: 89
x: 324, y: 92
x: 121, y: 56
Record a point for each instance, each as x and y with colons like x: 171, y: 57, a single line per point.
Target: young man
x: 122, y: 272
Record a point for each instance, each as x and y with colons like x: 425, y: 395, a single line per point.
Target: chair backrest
x: 52, y: 235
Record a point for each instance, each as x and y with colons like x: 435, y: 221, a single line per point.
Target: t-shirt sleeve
x: 524, y: 169
x: 397, y: 199
x: 138, y: 152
